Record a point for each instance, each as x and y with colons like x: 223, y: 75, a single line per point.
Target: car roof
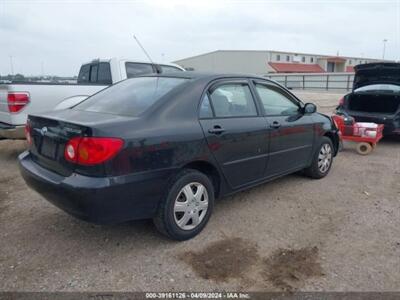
x: 98, y: 60
x: 205, y: 75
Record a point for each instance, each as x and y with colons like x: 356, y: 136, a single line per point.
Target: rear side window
x: 84, y: 74
x: 233, y: 100
x: 130, y: 97
x: 135, y: 69
x: 95, y: 73
x: 104, y: 73
x: 205, y: 108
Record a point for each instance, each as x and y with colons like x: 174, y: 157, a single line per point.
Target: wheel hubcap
x: 191, y: 206
x: 324, y: 158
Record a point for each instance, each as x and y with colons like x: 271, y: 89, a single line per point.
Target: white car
x: 18, y: 99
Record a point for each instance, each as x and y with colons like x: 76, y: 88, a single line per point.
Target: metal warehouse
x: 267, y: 61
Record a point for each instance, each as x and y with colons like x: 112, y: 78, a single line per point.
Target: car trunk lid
x: 48, y: 140
x: 51, y: 132
x: 376, y: 73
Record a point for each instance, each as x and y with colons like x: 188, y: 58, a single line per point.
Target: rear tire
x: 364, y: 148
x: 322, y: 160
x: 187, y: 206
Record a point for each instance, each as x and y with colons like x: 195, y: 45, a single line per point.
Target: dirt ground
x: 341, y: 233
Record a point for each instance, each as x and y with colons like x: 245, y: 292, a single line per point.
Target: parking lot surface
x: 341, y: 233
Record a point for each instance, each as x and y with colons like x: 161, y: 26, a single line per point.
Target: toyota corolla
x: 165, y: 146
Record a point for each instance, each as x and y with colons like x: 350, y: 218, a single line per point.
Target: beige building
x: 267, y: 61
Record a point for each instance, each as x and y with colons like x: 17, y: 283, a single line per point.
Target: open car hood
x: 376, y: 73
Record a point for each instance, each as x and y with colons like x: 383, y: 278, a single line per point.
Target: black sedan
x: 165, y: 146
x: 375, y: 96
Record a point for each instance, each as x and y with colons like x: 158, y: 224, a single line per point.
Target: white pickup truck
x: 17, y: 100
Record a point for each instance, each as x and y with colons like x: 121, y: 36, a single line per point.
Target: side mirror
x: 310, y: 108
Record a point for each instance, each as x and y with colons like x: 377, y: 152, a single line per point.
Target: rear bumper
x: 98, y: 200
x: 11, y: 131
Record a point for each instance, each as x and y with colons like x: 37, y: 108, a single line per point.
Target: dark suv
x: 165, y: 146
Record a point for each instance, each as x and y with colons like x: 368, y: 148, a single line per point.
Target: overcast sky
x: 63, y: 34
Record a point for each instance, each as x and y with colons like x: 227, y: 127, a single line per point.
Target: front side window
x: 233, y: 100
x: 136, y: 69
x: 275, y: 102
x: 287, y: 58
x: 130, y: 97
x: 278, y: 57
x: 303, y: 59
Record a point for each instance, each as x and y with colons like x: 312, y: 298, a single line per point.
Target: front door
x: 291, y: 131
x: 235, y: 131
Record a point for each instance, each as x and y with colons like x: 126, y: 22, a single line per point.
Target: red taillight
x: 341, y: 101
x: 17, y: 101
x: 28, y: 133
x: 91, y: 150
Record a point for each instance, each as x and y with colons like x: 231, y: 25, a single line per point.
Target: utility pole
x: 384, y: 48
x: 11, y: 65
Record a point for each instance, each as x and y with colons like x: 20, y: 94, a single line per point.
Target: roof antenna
x: 145, y: 52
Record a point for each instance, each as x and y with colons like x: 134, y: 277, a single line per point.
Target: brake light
x: 91, y: 150
x: 341, y: 101
x: 17, y: 101
x: 28, y: 133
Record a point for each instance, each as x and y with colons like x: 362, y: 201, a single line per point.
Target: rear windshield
x: 130, y: 97
x: 379, y: 87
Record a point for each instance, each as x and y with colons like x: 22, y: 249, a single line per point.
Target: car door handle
x: 216, y: 130
x: 275, y: 125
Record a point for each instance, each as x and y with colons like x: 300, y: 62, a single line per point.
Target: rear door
x: 235, y: 131
x: 291, y: 132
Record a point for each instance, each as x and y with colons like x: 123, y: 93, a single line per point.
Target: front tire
x: 322, y: 159
x: 187, y: 207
